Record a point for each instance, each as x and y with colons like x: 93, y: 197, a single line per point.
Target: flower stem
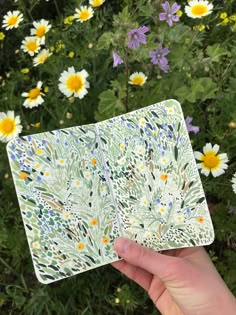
x: 127, y: 86
x: 57, y: 8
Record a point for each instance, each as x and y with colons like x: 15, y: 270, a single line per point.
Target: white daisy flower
x: 47, y: 173
x: 96, y: 3
x: 84, y: 13
x: 211, y: 161
x: 40, y: 29
x: 144, y: 201
x: 198, y: 8
x: 179, y: 218
x: 140, y: 149
x: 170, y: 110
x: 61, y: 162
x: 77, y: 183
x: 122, y: 146
x: 137, y: 78
x: 36, y: 245
x: 141, y: 168
x: 122, y: 160
x: 74, y: 83
x: 42, y: 56
x: 31, y: 45
x: 164, y: 160
x: 65, y: 215
x: 162, y: 209
x: 10, y: 126
x: 34, y: 96
x: 142, y: 122
x: 12, y: 19
x: 87, y: 175
x: 233, y: 181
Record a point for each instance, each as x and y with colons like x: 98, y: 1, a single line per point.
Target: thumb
x: 167, y: 268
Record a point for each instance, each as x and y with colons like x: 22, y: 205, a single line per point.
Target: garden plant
x: 68, y: 63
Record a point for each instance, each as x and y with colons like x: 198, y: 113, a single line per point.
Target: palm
x: 158, y: 291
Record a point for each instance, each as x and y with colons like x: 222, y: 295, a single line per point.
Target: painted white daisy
x: 142, y: 122
x: 74, y: 83
x: 87, y: 175
x: 233, y: 181
x: 40, y: 29
x: 10, y: 126
x: 76, y: 183
x: 61, y: 162
x: 211, y: 161
x: 96, y: 3
x: 65, y: 215
x: 34, y: 96
x: 144, y: 201
x: 198, y: 8
x: 140, y: 149
x: 137, y: 78
x: 12, y: 19
x: 31, y: 45
x: 84, y: 13
x: 42, y: 56
x: 36, y: 245
x: 141, y: 168
x: 170, y: 110
x: 122, y: 160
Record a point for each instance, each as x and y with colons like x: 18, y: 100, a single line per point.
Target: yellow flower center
x: 138, y: 81
x: 84, y: 15
x: 32, y: 46
x: 42, y: 58
x: 7, y: 126
x: 12, y: 20
x: 34, y: 93
x: 74, y: 83
x: 41, y: 30
x: 211, y: 160
x: 39, y: 151
x: 199, y: 9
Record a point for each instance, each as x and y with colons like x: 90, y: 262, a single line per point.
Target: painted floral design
x: 81, y: 187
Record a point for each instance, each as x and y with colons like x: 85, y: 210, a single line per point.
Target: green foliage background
x: 202, y: 78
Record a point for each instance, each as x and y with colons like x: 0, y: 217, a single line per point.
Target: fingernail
x: 121, y: 245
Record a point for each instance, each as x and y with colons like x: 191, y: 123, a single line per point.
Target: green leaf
x: 216, y: 51
x: 105, y: 40
x: 109, y: 105
x: 202, y: 88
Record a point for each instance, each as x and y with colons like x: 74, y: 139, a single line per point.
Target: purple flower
x: 158, y: 57
x: 169, y: 14
x: 137, y: 36
x: 116, y: 59
x: 190, y: 128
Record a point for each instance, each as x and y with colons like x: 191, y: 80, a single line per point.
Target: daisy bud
x: 71, y: 99
x: 69, y: 115
x: 232, y: 125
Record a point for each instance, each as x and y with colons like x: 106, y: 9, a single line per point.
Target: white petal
x: 198, y: 155
x: 207, y: 147
x: 216, y: 148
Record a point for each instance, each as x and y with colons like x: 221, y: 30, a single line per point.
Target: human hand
x: 180, y: 281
